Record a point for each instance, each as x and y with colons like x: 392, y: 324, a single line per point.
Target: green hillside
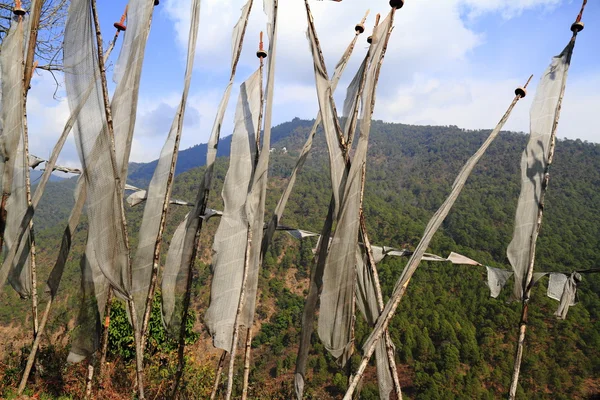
x: 452, y: 340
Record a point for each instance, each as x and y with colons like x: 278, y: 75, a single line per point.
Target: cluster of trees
x: 452, y: 340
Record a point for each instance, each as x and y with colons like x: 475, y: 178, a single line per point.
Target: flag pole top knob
x: 18, y: 10
x: 377, y: 18
x: 577, y: 27
x: 521, y: 91
x: 261, y: 53
x: 397, y: 4
x: 120, y: 26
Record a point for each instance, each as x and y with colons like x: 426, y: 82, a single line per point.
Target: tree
x: 51, y: 29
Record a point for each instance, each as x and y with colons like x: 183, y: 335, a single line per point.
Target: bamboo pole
x: 213, y: 394
x: 35, y: 15
x: 104, y: 339
x: 34, y: 297
x: 316, y: 278
x: 238, y: 314
x: 242, y: 299
x: 378, y: 293
x: 413, y: 263
x: 70, y: 229
x: 36, y: 9
x: 109, y: 296
x: 248, y: 349
x: 201, y: 203
x: 247, y: 355
x: 88, y: 381
x: 527, y: 284
x: 36, y: 344
x: 170, y: 178
x: 119, y: 190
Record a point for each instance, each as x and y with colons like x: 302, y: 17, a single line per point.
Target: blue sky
x: 450, y: 62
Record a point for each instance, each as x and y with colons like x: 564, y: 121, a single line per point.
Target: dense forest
x: 452, y: 340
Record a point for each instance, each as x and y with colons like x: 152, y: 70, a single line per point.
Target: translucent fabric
x: 497, y: 279
x: 331, y: 125
x: 430, y: 230
x: 127, y: 75
x: 87, y: 332
x: 366, y: 301
x: 277, y: 215
x: 11, y: 107
x: 455, y: 258
x: 339, y: 279
x: 255, y: 206
x: 179, y: 259
x: 106, y: 257
x: 564, y: 289
x: 13, y: 165
x: 65, y: 246
x: 16, y: 208
x: 534, y: 162
x: 230, y: 243
x: 140, y: 196
x: 106, y: 252
x: 35, y: 161
x: 159, y: 191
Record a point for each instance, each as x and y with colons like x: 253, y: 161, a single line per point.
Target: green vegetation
x: 452, y: 340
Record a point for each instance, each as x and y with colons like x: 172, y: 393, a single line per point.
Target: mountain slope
x: 452, y: 340
x: 141, y: 173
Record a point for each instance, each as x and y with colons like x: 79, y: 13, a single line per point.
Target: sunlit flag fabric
x: 179, y: 257
x: 255, y: 206
x: 366, y: 301
x: 281, y: 205
x: 337, y: 309
x: 127, y: 75
x: 105, y: 247
x: 543, y: 115
x: 229, y: 248
x: 13, y: 165
x: 564, y: 289
x: 153, y: 221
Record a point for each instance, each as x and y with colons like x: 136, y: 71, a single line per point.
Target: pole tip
x: 18, y: 10
x: 577, y: 27
x: 397, y: 4
x: 120, y: 26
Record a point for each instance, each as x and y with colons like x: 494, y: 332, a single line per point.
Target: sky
x: 449, y: 62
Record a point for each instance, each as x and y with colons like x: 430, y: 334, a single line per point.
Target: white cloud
x: 426, y: 72
x: 46, y: 120
x: 427, y: 76
x: 508, y: 9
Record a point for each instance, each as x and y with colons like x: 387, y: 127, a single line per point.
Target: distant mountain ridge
x: 453, y: 340
x: 195, y: 156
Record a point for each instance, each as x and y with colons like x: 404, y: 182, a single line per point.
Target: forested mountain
x: 452, y: 340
